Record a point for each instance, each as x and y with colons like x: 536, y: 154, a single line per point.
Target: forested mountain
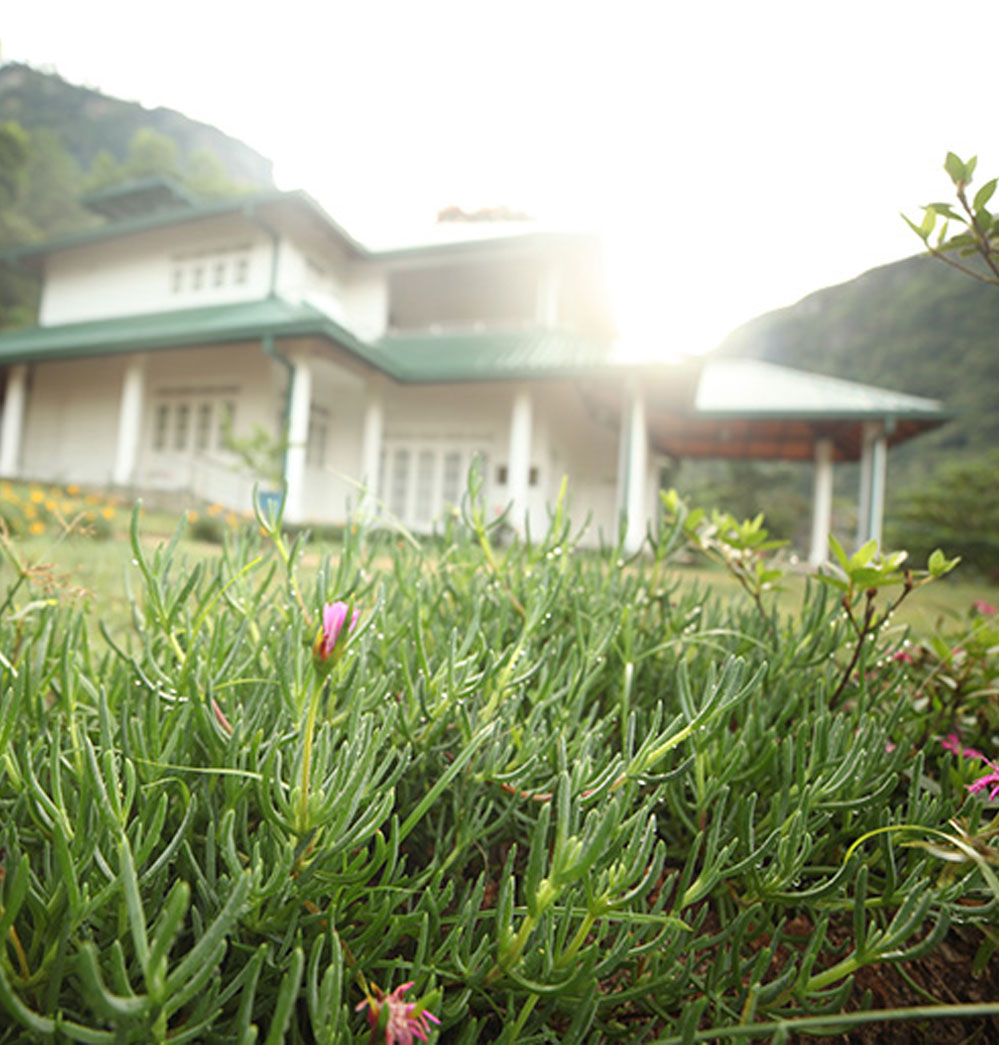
x: 59, y: 141
x: 88, y: 123
x: 913, y: 326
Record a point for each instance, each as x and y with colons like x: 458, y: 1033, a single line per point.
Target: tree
x: 150, y: 153
x: 206, y: 176
x: 13, y: 161
x: 104, y: 172
x: 977, y: 237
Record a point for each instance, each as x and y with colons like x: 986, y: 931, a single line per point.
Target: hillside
x: 87, y: 122
x: 915, y: 326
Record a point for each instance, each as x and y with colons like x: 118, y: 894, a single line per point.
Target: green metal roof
x: 140, y: 196
x: 488, y: 355
x: 251, y: 204
x: 410, y: 359
x: 211, y: 325
x: 718, y: 389
x: 748, y: 388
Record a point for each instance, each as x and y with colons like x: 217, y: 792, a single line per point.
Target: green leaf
x: 837, y: 550
x: 862, y: 556
x: 954, y: 166
x: 925, y: 229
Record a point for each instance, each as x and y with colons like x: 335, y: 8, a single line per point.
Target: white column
x: 371, y: 451
x: 12, y: 429
x: 867, y: 433
x: 873, y: 470
x: 879, y: 470
x: 633, y: 464
x: 126, y: 455
x: 518, y: 468
x: 299, y: 403
x: 822, y: 492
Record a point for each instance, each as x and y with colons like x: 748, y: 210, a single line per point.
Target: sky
x: 735, y: 155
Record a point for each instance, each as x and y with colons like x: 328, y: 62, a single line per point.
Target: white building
x: 384, y: 372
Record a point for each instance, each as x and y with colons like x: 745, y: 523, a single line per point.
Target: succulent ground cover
x: 479, y: 791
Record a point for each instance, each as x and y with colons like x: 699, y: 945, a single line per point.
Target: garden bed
x: 569, y: 797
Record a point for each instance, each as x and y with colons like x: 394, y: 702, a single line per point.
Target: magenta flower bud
x: 332, y: 636
x: 404, y: 1024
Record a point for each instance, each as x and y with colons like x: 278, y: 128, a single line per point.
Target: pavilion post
x: 822, y: 492
x: 371, y: 451
x: 12, y: 429
x: 633, y: 460
x: 299, y: 405
x: 129, y: 422
x: 518, y: 468
x: 873, y: 471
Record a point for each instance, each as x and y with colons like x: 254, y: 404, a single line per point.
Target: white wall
x: 71, y: 422
x: 135, y: 275
x: 330, y: 487
x: 242, y: 374
x: 586, y: 451
x: 366, y: 300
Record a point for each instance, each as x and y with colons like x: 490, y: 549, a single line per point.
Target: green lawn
x: 98, y: 569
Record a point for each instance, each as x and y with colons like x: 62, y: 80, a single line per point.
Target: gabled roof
x: 716, y: 408
x: 408, y: 358
x: 488, y: 355
x: 252, y: 204
x: 258, y: 205
x: 746, y: 388
x: 209, y: 325
x: 139, y: 197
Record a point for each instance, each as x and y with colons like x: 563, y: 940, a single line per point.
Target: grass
x: 524, y: 768
x: 101, y: 571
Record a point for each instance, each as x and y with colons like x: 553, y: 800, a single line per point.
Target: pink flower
x: 327, y: 648
x: 903, y: 656
x: 332, y: 636
x: 952, y: 742
x: 985, y: 608
x: 404, y: 1023
x: 990, y: 780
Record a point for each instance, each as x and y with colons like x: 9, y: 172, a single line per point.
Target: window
x: 421, y: 479
x: 227, y: 421
x: 180, y: 420
x: 399, y: 484
x: 426, y: 468
x: 161, y: 422
x: 203, y: 427
x: 186, y: 420
x: 451, y: 487
x: 214, y: 268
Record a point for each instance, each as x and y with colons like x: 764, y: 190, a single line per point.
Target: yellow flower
x: 214, y: 509
x: 66, y: 507
x: 72, y: 489
x: 92, y: 498
x: 192, y: 515
x: 107, y: 511
x: 30, y: 511
x: 37, y: 496
x: 36, y: 527
x: 232, y: 519
x: 50, y: 506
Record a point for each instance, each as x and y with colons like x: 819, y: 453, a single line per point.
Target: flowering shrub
x: 559, y: 797
x: 38, y: 511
